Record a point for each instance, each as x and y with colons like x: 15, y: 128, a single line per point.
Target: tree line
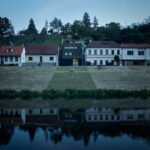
x: 79, y: 29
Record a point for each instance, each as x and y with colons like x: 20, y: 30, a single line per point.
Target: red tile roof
x: 41, y: 49
x: 135, y: 45
x: 16, y: 50
x: 103, y: 44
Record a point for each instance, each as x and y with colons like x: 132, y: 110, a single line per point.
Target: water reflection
x: 81, y: 124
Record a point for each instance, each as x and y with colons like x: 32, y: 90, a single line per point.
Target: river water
x: 67, y: 129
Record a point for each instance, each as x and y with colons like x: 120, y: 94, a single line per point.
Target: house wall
x: 45, y: 59
x: 8, y: 62
x: 104, y: 57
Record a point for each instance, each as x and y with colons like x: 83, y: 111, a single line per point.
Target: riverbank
x: 73, y: 104
x: 75, y: 93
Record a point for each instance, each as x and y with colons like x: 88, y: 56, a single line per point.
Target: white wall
x: 91, y: 58
x: 45, y: 58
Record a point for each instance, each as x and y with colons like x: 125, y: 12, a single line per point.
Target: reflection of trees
x: 79, y: 132
x: 6, y: 132
x: 31, y: 130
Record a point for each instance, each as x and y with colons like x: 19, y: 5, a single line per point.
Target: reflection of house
x: 66, y: 115
x: 42, y: 116
x: 101, y: 115
x: 12, y: 55
x: 12, y: 116
x: 116, y: 115
x: 42, y: 55
x: 71, y: 55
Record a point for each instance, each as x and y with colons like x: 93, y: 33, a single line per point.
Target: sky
x: 124, y: 12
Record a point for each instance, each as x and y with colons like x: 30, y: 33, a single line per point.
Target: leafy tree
x: 95, y: 23
x: 66, y: 29
x: 117, y: 59
x: 6, y: 28
x: 56, y: 24
x: 86, y: 20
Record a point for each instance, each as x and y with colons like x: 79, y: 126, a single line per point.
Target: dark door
x: 41, y: 59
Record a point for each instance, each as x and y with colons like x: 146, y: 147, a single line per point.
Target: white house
x: 135, y: 54
x: 102, y: 52
x: 42, y: 55
x: 112, y: 115
x: 12, y: 55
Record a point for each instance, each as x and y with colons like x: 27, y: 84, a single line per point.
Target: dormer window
x: 66, y: 53
x: 10, y: 50
x: 70, y: 54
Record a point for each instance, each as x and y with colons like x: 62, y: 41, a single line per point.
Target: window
x: 89, y: 117
x: 30, y: 111
x: 89, y: 52
x: 140, y: 116
x: 118, y: 52
x: 66, y: 53
x: 112, y: 117
x: 106, y: 52
x: 129, y: 52
x: 70, y: 54
x: 95, y: 117
x: 95, y: 62
x: 16, y: 59
x: 118, y: 118
x: 41, y: 111
x: 130, y: 116
x: 106, y: 117
x: 51, y: 58
x: 140, y: 52
x: 112, y: 52
x: 101, y: 52
x: 30, y: 58
x: 11, y: 59
x: 51, y: 111
x: 101, y: 62
x: 101, y: 117
x: 95, y: 52
x: 6, y: 59
x: 106, y: 62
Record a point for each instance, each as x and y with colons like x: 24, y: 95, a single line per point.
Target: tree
x: 56, y: 24
x: 6, y: 28
x: 95, y: 23
x: 31, y: 28
x: 66, y: 29
x: 46, y: 25
x: 117, y: 59
x: 86, y: 20
x: 43, y: 34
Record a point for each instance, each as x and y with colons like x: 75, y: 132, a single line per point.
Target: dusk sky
x: 121, y: 11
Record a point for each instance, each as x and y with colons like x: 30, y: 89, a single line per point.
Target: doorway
x: 41, y: 59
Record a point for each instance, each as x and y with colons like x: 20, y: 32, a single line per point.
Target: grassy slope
x: 64, y: 78
x: 135, y: 77
x: 34, y: 78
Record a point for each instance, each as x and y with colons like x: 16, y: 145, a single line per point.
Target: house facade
x: 135, y: 54
x: 102, y: 52
x: 42, y: 55
x: 12, y: 55
x: 71, y: 55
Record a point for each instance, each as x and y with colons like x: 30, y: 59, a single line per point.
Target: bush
x: 88, y: 63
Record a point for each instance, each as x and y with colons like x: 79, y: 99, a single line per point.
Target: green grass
x: 64, y: 78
